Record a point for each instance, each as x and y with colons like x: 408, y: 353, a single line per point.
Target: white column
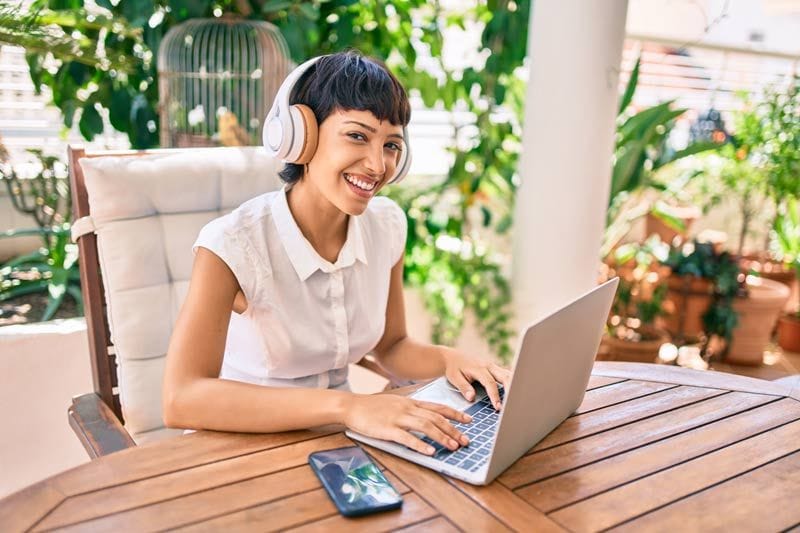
x: 574, y: 50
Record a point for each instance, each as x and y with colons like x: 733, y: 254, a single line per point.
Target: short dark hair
x: 348, y: 80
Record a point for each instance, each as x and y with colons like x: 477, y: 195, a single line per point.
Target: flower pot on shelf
x: 688, y: 298
x: 642, y: 351
x: 757, y: 315
x: 774, y: 270
x: 789, y: 332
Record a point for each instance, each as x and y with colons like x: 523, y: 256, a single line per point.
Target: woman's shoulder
x: 383, y: 209
x: 249, y: 214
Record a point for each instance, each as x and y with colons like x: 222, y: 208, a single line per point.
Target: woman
x: 295, y: 284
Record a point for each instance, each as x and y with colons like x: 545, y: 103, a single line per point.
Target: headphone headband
x: 290, y: 131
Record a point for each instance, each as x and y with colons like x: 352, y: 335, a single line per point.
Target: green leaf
x: 68, y: 110
x: 91, y: 122
x: 667, y: 218
x: 692, y: 149
x: 309, y: 11
x: 186, y: 9
x: 275, y: 5
x: 142, y: 116
x: 35, y: 69
x: 631, y: 87
x: 138, y: 12
x: 119, y: 111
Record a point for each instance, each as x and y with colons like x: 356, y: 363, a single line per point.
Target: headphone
x: 291, y: 131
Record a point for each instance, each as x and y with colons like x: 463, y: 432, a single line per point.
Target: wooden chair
x: 97, y: 417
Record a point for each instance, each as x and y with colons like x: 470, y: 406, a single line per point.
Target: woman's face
x: 356, y: 155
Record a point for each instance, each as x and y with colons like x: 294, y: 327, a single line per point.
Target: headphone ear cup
x: 311, y: 137
x: 404, y: 163
x: 303, y: 135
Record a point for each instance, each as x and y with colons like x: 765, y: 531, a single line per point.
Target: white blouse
x: 306, y: 318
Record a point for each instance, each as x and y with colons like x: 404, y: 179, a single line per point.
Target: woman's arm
x: 405, y: 357
x: 194, y: 396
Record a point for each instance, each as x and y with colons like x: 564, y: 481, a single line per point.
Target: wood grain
x: 413, y: 510
x: 630, y: 500
x: 172, y: 455
x: 546, y: 463
x: 434, y: 489
x: 434, y: 525
x: 596, y: 382
x: 508, y: 507
x: 183, y: 482
x: 613, y: 416
x: 217, y: 502
x: 22, y: 509
x: 686, y: 376
x: 618, y: 393
x: 762, y: 500
x: 597, y: 477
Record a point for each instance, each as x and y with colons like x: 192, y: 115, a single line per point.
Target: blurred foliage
x: 642, y: 147
x: 787, y: 236
x: 52, y: 268
x: 114, y: 71
x: 702, y: 260
x: 779, y: 115
x: 642, y: 288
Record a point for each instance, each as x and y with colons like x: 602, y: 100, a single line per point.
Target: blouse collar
x: 302, y: 255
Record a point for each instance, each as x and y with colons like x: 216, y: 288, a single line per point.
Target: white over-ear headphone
x: 291, y: 131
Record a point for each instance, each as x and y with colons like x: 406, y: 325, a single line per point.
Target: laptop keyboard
x: 480, y: 432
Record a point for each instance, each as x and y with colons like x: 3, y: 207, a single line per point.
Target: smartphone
x: 354, y: 483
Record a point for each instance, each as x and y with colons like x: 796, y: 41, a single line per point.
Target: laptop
x: 550, y: 372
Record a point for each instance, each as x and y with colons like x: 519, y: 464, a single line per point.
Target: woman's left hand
x: 461, y: 370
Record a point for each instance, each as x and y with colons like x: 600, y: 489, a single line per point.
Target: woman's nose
x: 376, y: 160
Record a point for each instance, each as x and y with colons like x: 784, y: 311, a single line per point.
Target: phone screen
x: 354, y: 482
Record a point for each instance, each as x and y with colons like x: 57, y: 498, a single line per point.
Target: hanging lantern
x: 217, y: 79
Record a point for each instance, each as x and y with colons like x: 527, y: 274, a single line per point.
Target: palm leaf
x: 631, y: 87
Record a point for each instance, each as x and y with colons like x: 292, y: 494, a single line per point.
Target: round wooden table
x: 651, y: 447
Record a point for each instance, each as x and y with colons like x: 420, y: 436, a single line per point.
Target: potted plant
x: 631, y: 330
x: 787, y: 231
x: 701, y: 287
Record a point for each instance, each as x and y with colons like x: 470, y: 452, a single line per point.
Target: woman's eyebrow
x: 371, y: 129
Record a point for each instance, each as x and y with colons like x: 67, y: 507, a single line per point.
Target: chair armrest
x: 96, y: 426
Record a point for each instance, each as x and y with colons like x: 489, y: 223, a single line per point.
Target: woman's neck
x: 320, y: 222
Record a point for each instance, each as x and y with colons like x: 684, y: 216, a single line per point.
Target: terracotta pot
x: 687, y: 215
x: 757, y: 315
x: 688, y: 298
x: 774, y: 270
x: 614, y: 349
x: 789, y: 333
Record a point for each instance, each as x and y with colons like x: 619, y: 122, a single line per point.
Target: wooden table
x: 651, y: 447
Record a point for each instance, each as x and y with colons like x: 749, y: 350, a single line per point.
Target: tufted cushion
x: 147, y: 212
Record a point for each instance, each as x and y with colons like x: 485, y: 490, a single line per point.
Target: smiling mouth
x: 364, y: 185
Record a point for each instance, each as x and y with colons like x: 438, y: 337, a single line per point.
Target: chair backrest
x: 137, y: 214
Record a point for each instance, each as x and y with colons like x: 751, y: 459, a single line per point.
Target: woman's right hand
x: 393, y: 417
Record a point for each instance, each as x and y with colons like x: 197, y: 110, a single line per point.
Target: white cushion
x: 147, y: 211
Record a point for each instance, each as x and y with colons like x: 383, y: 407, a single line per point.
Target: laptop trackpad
x: 441, y: 391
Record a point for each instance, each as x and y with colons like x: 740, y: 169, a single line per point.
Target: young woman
x: 295, y: 284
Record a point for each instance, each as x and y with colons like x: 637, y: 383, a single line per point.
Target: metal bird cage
x: 217, y: 79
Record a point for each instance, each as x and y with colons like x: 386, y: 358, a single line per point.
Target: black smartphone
x: 355, y: 484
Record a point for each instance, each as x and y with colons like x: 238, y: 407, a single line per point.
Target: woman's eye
x: 395, y: 147
x: 357, y: 136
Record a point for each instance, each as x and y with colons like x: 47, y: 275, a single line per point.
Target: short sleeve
x: 219, y: 237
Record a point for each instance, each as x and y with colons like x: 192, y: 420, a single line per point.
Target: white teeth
x: 360, y: 184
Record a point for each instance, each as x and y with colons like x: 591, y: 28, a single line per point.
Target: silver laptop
x: 550, y: 374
